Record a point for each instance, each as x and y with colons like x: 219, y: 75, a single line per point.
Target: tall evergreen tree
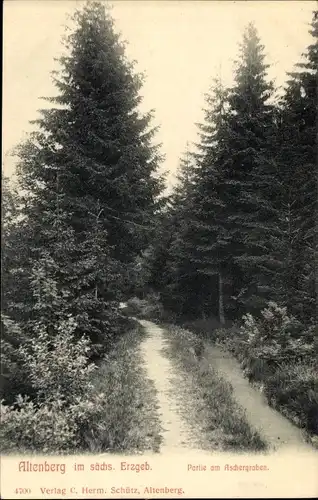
x: 9, y: 210
x: 209, y: 229
x: 15, y: 291
x: 226, y: 235
x: 223, y: 241
x: 297, y: 159
x: 95, y: 142
x: 90, y: 170
x: 247, y: 219
x: 200, y: 246
x: 179, y: 290
x: 15, y: 242
x: 248, y: 173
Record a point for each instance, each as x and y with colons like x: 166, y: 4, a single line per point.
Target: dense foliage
x: 242, y: 226
x: 279, y: 354
x: 83, y: 209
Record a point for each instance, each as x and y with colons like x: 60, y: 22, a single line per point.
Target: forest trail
x: 275, y: 429
x: 177, y: 435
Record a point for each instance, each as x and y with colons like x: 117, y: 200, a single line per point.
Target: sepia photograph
x: 159, y: 307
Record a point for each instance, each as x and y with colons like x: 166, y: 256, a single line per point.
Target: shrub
x: 294, y: 390
x: 277, y: 352
x: 272, y: 340
x: 149, y: 308
x: 50, y: 426
x: 77, y: 407
x: 12, y: 377
x: 230, y: 338
x: 58, y: 366
x: 59, y: 373
x: 27, y: 426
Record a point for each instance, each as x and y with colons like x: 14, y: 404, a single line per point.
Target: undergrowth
x: 279, y: 355
x: 79, y: 406
x: 128, y: 420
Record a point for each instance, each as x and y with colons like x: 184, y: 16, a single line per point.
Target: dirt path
x: 177, y: 435
x: 275, y: 429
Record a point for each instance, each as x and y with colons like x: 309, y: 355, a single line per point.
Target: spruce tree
x: 14, y: 288
x: 179, y: 291
x: 225, y: 238
x: 297, y: 159
x: 230, y: 210
x: 9, y: 209
x: 199, y: 246
x: 249, y: 174
x: 210, y: 229
x: 89, y: 171
x: 94, y: 142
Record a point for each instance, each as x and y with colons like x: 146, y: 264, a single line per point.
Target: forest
x: 231, y: 255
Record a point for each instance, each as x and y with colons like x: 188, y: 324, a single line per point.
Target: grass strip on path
x: 220, y: 417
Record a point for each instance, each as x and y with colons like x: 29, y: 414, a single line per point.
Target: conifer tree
x: 198, y: 247
x: 223, y: 243
x: 94, y: 142
x: 9, y: 209
x: 89, y: 171
x: 179, y: 293
x: 297, y: 159
x: 209, y: 210
x: 249, y: 173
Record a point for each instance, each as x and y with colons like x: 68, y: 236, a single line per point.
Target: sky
x: 179, y: 45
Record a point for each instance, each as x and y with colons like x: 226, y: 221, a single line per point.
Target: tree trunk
x: 221, y: 300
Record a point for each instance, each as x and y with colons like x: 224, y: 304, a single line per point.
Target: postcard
x: 159, y: 251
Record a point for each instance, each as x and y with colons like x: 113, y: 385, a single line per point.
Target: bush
x: 230, y: 338
x: 58, y: 366
x: 272, y: 341
x: 294, y: 390
x: 13, y: 380
x: 149, y: 308
x: 279, y: 354
x: 78, y: 407
x: 59, y: 373
x: 26, y: 426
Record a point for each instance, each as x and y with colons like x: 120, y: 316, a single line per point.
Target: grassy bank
x: 128, y: 421
x: 222, y: 420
